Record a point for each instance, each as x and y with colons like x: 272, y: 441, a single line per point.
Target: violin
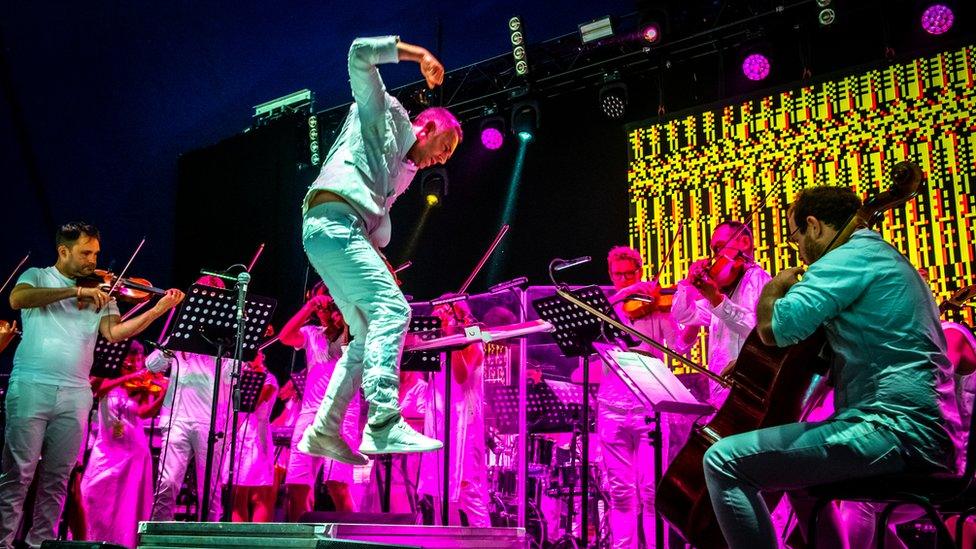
x: 130, y: 289
x: 149, y: 383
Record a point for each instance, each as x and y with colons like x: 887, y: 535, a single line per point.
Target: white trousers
x: 46, y: 423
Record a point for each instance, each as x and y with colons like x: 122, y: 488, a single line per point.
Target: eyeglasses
x: 615, y: 275
x: 791, y: 241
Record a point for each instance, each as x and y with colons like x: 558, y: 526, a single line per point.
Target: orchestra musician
x: 721, y: 293
x: 892, y: 379
x: 49, y: 396
x: 322, y: 344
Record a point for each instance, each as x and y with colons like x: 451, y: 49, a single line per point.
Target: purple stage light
x: 651, y: 33
x: 755, y: 67
x: 492, y: 138
x: 937, y: 19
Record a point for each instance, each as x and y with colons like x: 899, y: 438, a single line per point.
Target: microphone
x: 243, y: 279
x: 563, y: 264
x: 507, y: 285
x: 221, y: 276
x: 156, y: 346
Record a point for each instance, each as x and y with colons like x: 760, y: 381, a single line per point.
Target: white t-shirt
x: 58, y: 345
x: 321, y: 356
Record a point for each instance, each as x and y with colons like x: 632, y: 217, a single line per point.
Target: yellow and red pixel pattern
x: 697, y: 171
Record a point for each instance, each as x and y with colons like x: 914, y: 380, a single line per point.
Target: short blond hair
x: 625, y: 253
x: 442, y: 118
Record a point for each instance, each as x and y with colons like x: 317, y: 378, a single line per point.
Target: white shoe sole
x: 401, y: 449
x: 323, y: 451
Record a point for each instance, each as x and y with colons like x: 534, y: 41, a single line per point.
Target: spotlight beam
x: 497, y: 260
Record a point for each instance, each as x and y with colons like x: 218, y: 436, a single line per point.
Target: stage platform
x: 226, y: 535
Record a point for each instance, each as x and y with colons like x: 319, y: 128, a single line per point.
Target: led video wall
x: 690, y: 173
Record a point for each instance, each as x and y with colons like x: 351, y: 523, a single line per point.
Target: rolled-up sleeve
x: 829, y: 286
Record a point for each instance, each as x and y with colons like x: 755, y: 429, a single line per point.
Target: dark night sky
x: 111, y: 93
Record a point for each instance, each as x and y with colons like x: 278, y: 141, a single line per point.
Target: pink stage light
x: 492, y: 138
x: 937, y: 19
x: 755, y: 67
x: 651, y: 33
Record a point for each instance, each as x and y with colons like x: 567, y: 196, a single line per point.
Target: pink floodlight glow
x: 492, y: 138
x: 937, y: 19
x: 651, y: 33
x: 755, y: 67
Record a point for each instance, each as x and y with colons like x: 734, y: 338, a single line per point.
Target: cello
x: 768, y: 386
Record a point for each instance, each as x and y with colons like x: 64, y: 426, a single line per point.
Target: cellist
x: 892, y: 380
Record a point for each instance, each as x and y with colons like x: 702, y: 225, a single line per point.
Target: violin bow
x: 667, y: 256
x: 14, y: 272
x: 257, y: 254
x: 121, y: 275
x: 484, y: 258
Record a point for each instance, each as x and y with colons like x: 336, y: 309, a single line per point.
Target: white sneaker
x: 397, y: 437
x: 333, y: 447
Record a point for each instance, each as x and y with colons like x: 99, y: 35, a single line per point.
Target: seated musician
x: 893, y: 382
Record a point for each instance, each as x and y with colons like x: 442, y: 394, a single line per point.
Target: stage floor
x: 224, y: 535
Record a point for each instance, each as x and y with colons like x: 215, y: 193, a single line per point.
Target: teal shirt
x: 883, y: 325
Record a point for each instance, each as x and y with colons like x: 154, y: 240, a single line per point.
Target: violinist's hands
x: 784, y: 280
x: 698, y: 278
x: 318, y: 303
x: 94, y: 296
x: 171, y: 299
x: 431, y: 69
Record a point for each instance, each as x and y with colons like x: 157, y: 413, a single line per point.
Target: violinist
x: 322, y: 342
x: 119, y: 474
x: 721, y: 293
x: 621, y: 420
x: 49, y: 395
x: 892, y: 380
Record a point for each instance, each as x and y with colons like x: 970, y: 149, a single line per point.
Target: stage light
x: 613, y: 96
x: 937, y: 19
x: 826, y: 16
x: 433, y: 186
x: 596, y: 30
x: 517, y: 37
x: 755, y: 67
x: 493, y: 132
x: 525, y: 119
x: 651, y: 33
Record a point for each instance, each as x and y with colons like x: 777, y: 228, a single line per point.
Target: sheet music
x: 651, y: 381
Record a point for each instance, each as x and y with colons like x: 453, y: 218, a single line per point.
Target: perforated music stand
x: 206, y: 324
x: 250, y: 387
x: 428, y: 327
x: 109, y: 357
x: 209, y: 315
x: 298, y: 380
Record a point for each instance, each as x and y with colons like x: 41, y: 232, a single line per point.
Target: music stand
x: 575, y: 331
x: 298, y: 380
x: 108, y: 359
x: 428, y: 327
x: 657, y: 388
x: 250, y: 387
x: 207, y: 322
x: 551, y: 407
